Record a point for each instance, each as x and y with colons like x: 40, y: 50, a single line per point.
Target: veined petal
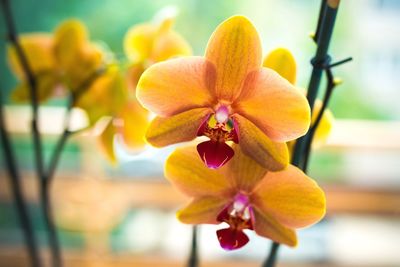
x: 274, y: 105
x: 181, y: 127
x: 266, y: 226
x: 202, y: 210
x: 325, y: 125
x: 187, y: 172
x: 235, y: 50
x: 291, y: 197
x: 214, y: 153
x: 138, y: 41
x: 135, y: 121
x: 106, y: 141
x: 170, y: 44
x: 170, y: 87
x: 245, y: 172
x: 271, y: 155
x: 231, y: 239
x: 38, y: 48
x: 282, y: 61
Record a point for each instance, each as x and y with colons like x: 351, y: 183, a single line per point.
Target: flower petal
x: 178, y: 128
x: 244, y: 171
x: 231, y: 239
x: 106, y: 141
x: 325, y: 125
x: 170, y: 44
x: 268, y: 227
x: 176, y: 85
x: 291, y: 197
x: 202, y: 210
x: 282, y: 61
x: 38, y: 50
x: 274, y: 105
x: 254, y: 143
x: 235, y: 50
x: 187, y: 172
x: 135, y: 121
x: 138, y: 41
x: 215, y: 154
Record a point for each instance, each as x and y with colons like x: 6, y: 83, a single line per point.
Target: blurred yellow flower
x: 246, y: 197
x: 282, y: 61
x: 226, y: 96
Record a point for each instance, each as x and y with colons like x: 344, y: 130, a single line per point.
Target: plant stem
x: 13, y: 173
x: 37, y: 142
x: 193, y: 257
x: 320, y: 62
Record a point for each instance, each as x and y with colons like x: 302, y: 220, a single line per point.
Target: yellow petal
x: 185, y: 170
x: 138, y: 41
x: 268, y: 227
x: 274, y: 105
x: 244, y: 171
x: 106, y: 141
x: 176, y: 85
x: 176, y: 129
x: 235, y: 50
x: 133, y: 75
x: 254, y: 143
x: 69, y: 39
x: 291, y: 197
x: 135, y: 121
x: 38, y: 50
x: 170, y: 44
x: 204, y: 210
x: 47, y: 82
x: 282, y: 61
x: 325, y: 126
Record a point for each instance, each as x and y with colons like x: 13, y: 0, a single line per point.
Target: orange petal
x: 254, y: 143
x: 325, y: 126
x: 106, y: 141
x: 178, y: 128
x: 291, y: 197
x: 282, y: 61
x: 38, y: 48
x: 185, y: 170
x: 268, y: 227
x: 235, y: 50
x: 203, y: 210
x: 176, y: 85
x: 274, y: 105
x: 168, y: 45
x: 135, y: 121
x: 245, y: 172
x: 138, y: 41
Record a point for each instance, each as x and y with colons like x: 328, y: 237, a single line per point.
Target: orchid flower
x: 282, y: 61
x: 226, y: 96
x: 245, y: 196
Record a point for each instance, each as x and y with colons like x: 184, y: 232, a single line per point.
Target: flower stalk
x: 320, y: 63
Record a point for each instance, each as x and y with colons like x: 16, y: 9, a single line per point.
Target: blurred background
x: 124, y: 215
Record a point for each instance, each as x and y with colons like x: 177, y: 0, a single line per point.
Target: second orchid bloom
x: 226, y: 96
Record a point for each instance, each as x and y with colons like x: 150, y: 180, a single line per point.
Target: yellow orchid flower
x: 62, y: 60
x: 282, y: 61
x: 246, y: 197
x: 226, y: 96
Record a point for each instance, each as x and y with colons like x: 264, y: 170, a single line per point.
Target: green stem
x: 15, y: 182
x: 323, y: 35
x: 194, y: 257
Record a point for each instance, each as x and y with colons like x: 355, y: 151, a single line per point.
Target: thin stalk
x: 193, y: 260
x: 15, y: 182
x: 320, y: 62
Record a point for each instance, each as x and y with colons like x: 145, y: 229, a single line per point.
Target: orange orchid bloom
x: 245, y: 196
x: 226, y: 96
x: 282, y: 61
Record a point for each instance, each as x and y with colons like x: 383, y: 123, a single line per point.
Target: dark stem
x: 270, y: 261
x: 37, y: 142
x: 320, y: 62
x: 193, y: 257
x: 15, y: 182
